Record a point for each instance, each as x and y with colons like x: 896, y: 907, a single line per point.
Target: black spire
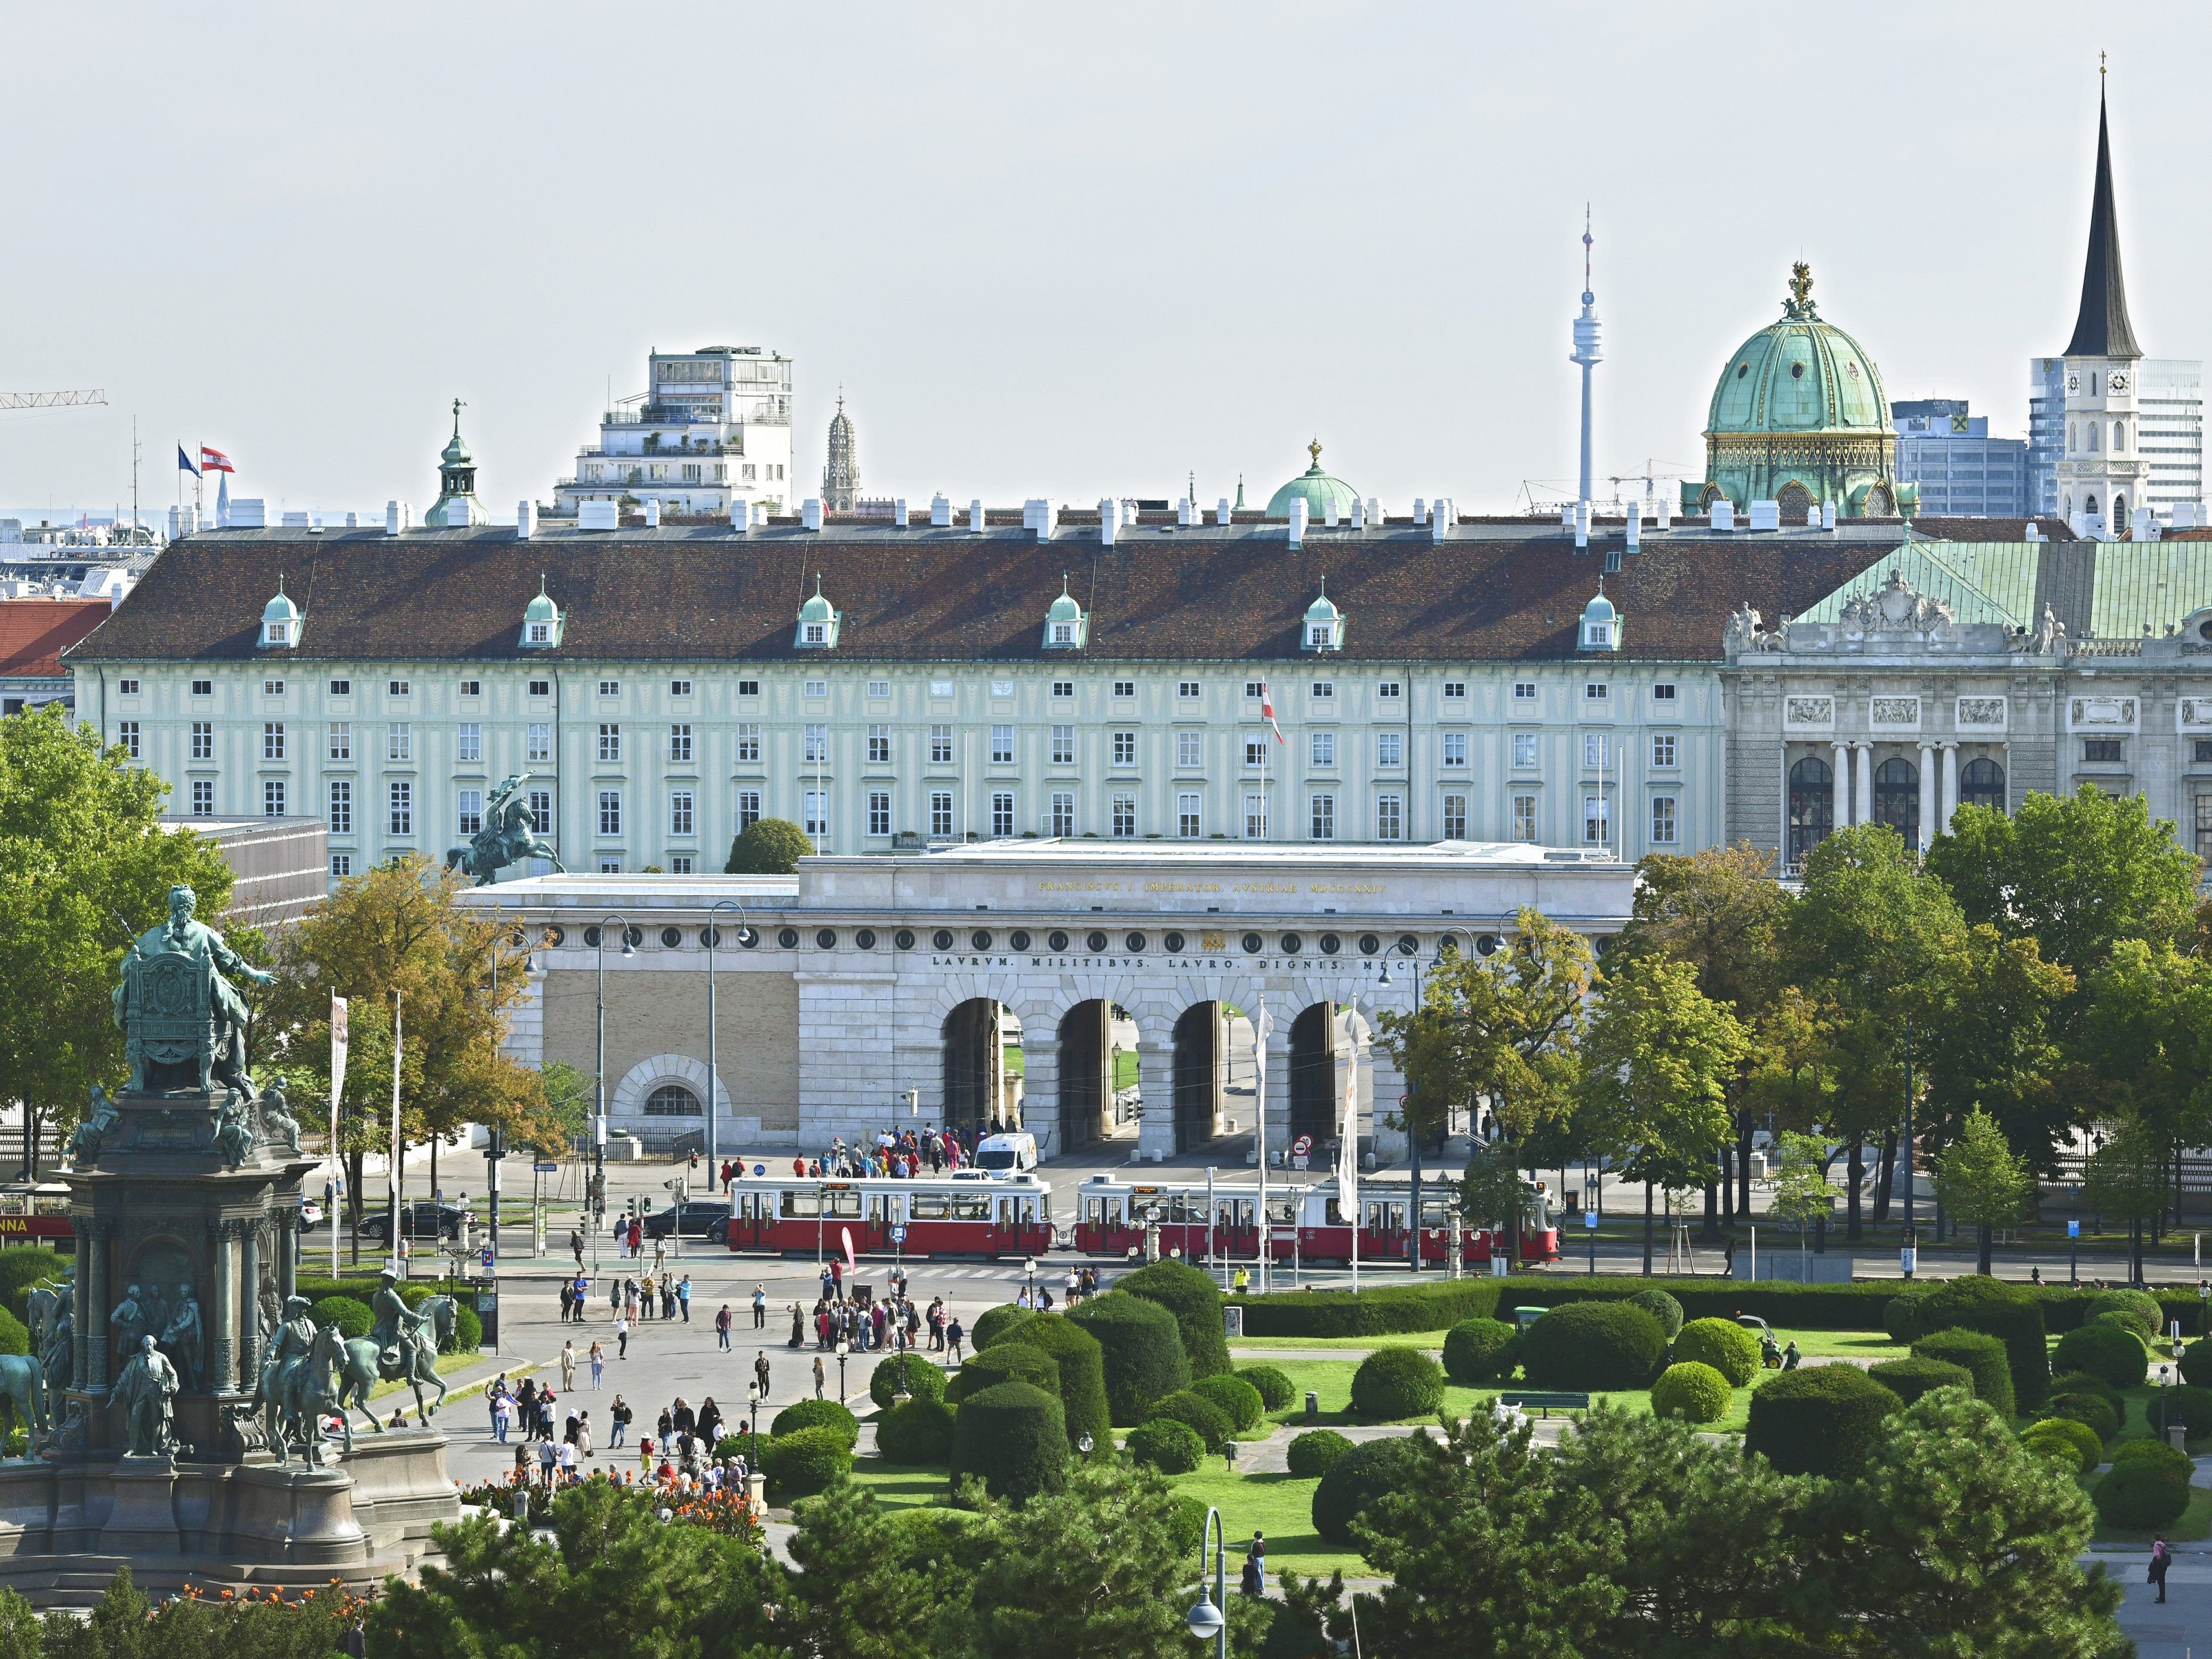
x: 2102, y: 330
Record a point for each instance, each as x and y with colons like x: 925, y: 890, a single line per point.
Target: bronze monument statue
x: 184, y: 1022
x: 509, y: 836
x: 147, y: 1391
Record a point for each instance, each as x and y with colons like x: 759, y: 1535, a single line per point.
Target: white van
x: 1006, y: 1154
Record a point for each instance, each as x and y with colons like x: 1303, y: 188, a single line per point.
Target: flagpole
x: 339, y: 1041
x: 392, y: 1182
x: 1260, y: 1029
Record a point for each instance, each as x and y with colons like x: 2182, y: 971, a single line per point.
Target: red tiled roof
x: 33, y: 633
x: 943, y: 596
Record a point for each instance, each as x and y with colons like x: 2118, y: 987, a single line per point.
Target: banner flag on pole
x: 184, y: 462
x: 394, y: 1182
x: 339, y: 1039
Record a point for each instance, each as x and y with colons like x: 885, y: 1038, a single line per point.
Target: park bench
x: 1547, y: 1403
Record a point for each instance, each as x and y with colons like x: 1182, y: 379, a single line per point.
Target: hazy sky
x: 1049, y: 250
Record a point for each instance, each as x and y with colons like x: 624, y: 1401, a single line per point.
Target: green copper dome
x: 1800, y: 416
x: 1318, y: 490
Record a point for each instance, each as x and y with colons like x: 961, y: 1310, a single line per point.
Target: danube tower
x: 1588, y: 355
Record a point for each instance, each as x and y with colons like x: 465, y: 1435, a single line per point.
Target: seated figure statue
x: 184, y: 1020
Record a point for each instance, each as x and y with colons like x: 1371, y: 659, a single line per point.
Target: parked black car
x: 699, y: 1215
x: 424, y: 1220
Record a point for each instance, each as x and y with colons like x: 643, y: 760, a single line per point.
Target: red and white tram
x: 1304, y: 1222
x: 967, y: 1213
x: 38, y: 1210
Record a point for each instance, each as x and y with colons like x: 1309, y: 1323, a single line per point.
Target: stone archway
x: 1097, y: 1071
x: 1201, y: 1074
x: 1316, y: 1074
x: 984, y: 1065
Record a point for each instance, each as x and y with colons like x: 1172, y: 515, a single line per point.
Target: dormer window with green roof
x: 1324, y: 625
x: 818, y: 623
x: 1600, y: 625
x: 542, y: 621
x: 281, y: 621
x: 1066, y: 625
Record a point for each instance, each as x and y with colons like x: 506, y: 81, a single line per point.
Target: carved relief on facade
x: 2195, y: 714
x: 1894, y: 714
x: 1981, y: 713
x: 1800, y: 712
x: 2114, y: 714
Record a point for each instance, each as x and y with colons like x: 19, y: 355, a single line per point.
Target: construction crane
x: 51, y: 400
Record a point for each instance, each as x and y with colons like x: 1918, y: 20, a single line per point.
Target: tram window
x: 928, y: 1206
x: 1094, y: 1211
x: 1336, y: 1216
x: 801, y: 1207
x: 1386, y: 1218
x: 970, y: 1206
x: 1044, y: 1205
x: 1435, y: 1212
x: 847, y: 1205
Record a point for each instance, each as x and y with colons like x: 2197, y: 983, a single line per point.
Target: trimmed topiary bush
x: 1235, y: 1396
x: 1382, y: 1310
x: 1723, y: 1344
x: 352, y: 1318
x: 923, y: 1381
x: 1901, y: 1317
x: 816, y: 1414
x: 1661, y: 1307
x: 1356, y: 1478
x: 1195, y: 1301
x: 1314, y: 1453
x: 2093, y: 1411
x: 1593, y: 1345
x: 1478, y: 1350
x: 2082, y: 1383
x: 1276, y: 1390
x: 1824, y: 1419
x: 468, y: 1329
x: 16, y: 1336
x: 1394, y: 1383
x: 2156, y: 1453
x: 2196, y: 1362
x: 1692, y: 1391
x: 2188, y: 1405
x: 2140, y: 1496
x: 1082, y: 1364
x: 1212, y: 1423
x: 1143, y: 1352
x: 1908, y: 1379
x: 2139, y: 1307
x: 804, y: 1461
x: 1015, y: 1437
x: 1984, y: 1357
x: 993, y: 1323
x: 2062, y: 1440
x: 1010, y: 1362
x: 1169, y: 1446
x: 2011, y: 1313
x: 2112, y: 1352
x: 918, y: 1431
x: 1187, y: 1526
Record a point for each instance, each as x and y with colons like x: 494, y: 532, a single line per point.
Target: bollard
x: 1313, y: 1406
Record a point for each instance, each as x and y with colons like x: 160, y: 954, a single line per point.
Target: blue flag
x: 184, y: 462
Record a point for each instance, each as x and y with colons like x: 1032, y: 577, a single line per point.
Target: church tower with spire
x: 840, y: 476
x: 2101, y: 473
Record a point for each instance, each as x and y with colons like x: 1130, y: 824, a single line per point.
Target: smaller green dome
x: 1064, y: 609
x: 816, y: 609
x: 1318, y: 490
x: 1324, y: 625
x: 541, y: 609
x: 1600, y: 628
x: 280, y: 609
x: 1323, y: 609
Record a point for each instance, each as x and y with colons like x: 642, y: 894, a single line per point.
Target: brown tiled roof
x: 33, y: 633
x: 2051, y: 528
x: 685, y: 595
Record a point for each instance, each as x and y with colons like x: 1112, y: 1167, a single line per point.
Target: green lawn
x: 1278, y: 1505
x: 1858, y: 1344
x: 901, y: 1486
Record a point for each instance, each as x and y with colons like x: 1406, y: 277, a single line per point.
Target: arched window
x: 1982, y: 783
x: 2073, y: 437
x: 2119, y: 513
x: 673, y: 1100
x: 2120, y: 435
x: 1812, y: 806
x: 2093, y: 429
x: 1897, y: 799
x: 2089, y: 506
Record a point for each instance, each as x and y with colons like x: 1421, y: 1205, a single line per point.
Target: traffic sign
x: 898, y: 1233
x: 1303, y: 1147
x: 760, y: 1168
x: 546, y: 1168
x: 2073, y: 1230
x: 487, y: 1258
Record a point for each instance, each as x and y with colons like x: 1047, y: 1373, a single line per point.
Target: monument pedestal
x: 142, y: 1508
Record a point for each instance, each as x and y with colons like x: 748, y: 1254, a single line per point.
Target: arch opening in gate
x: 983, y: 1067
x: 1099, y: 1095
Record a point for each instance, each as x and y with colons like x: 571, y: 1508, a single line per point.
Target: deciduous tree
x: 1981, y: 1180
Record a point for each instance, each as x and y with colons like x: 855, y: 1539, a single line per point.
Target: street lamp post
x: 714, y: 1071
x: 844, y: 1348
x: 1208, y: 1620
x: 599, y: 1088
x: 1413, y: 1135
x: 1029, y: 1271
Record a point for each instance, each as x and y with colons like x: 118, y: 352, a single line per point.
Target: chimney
x: 1582, y: 524
x: 741, y: 515
x: 1375, y: 513
x: 1332, y: 510
x: 1359, y: 513
x: 760, y: 515
x: 1298, y: 522
x: 1440, y: 520
x: 1420, y: 511
x: 1038, y: 513
x: 395, y: 517
x: 1827, y: 515
x: 1723, y: 516
x: 526, y: 519
x: 940, y: 512
x: 1566, y: 515
x: 1184, y: 512
x: 652, y: 514
x: 1221, y: 513
x: 898, y: 513
x: 2034, y: 533
x: 810, y: 513
x: 1666, y: 511
x: 1635, y: 535
x: 975, y: 517
x: 1109, y: 522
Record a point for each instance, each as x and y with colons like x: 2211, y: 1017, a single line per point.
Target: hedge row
x: 1381, y: 1311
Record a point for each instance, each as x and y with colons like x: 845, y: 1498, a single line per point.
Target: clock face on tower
x: 2073, y: 383
x: 2117, y: 379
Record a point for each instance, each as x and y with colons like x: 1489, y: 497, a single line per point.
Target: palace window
x: 399, y: 742
x: 1454, y: 816
x: 749, y: 739
x: 880, y: 744
x: 1187, y: 815
x: 1322, y: 748
x: 469, y: 815
x: 1063, y: 746
x: 941, y: 745
x: 203, y: 740
x: 610, y: 743
x: 1255, y: 816
x: 541, y: 810
x: 879, y: 812
x: 1060, y: 820
x: 1124, y: 817
x: 1190, y: 753
x: 341, y: 806
x: 400, y: 799
x: 940, y: 812
x: 814, y: 742
x: 1321, y: 817
x: 468, y: 742
x: 749, y: 809
x: 203, y: 797
x: 126, y: 736
x: 1455, y: 748
x: 1597, y: 821
x: 1125, y: 748
x: 1663, y: 749
x: 1524, y: 818
x: 679, y: 742
x: 680, y: 804
x: 610, y: 817
x: 1389, y: 749
x: 1524, y: 749
x: 1389, y: 817
x: 272, y: 740
x: 1002, y: 814
x: 1662, y: 821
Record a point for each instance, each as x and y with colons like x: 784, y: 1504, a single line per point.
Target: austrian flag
x: 1268, y: 711
x: 214, y: 460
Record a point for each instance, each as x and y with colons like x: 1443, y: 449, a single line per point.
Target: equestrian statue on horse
x: 312, y: 1374
x: 509, y: 836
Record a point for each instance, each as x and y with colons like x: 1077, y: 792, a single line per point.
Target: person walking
x: 760, y: 1309
x: 953, y: 1336
x: 569, y: 1366
x: 821, y: 1376
x: 1253, y: 1579
x: 798, y: 1328
x: 576, y: 1248
x: 622, y: 1337
x: 548, y: 1460
x: 619, y: 1415
x: 2161, y: 1558
x: 710, y: 1423
x: 584, y: 1435
x: 760, y: 1373
x: 567, y: 1301
x: 599, y: 1361
x: 502, y: 1414
x: 722, y: 1328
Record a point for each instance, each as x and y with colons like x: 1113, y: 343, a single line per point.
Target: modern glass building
x: 1962, y: 472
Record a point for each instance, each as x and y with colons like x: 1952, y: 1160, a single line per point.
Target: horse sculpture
x: 509, y: 836
x: 307, y: 1395
x: 22, y: 1387
x: 359, y: 1372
